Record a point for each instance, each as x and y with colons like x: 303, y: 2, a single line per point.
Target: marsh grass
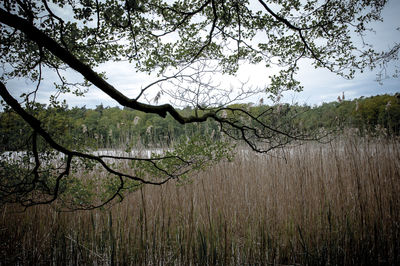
x: 333, y: 204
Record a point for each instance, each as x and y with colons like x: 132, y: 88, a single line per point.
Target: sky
x: 320, y: 85
x: 324, y: 86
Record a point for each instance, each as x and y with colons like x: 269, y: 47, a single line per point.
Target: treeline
x: 369, y: 115
x: 102, y: 127
x: 112, y: 127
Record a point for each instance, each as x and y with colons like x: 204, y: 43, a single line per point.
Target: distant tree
x: 378, y: 112
x: 185, y: 43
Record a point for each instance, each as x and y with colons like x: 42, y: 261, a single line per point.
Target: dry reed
x: 334, y: 204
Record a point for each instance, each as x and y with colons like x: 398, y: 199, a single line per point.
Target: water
x: 18, y: 156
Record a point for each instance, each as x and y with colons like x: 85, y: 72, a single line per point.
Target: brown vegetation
x: 333, y: 204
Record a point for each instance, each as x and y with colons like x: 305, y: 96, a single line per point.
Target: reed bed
x: 333, y: 204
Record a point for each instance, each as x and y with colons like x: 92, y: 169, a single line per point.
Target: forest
x: 115, y: 128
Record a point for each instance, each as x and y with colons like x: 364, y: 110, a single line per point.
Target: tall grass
x: 336, y: 204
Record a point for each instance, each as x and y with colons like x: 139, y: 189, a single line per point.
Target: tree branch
x: 45, y: 41
x: 36, y: 126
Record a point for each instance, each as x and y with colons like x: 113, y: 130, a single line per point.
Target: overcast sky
x: 323, y: 86
x: 319, y: 85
